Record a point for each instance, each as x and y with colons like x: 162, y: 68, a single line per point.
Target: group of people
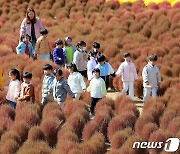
x: 79, y: 63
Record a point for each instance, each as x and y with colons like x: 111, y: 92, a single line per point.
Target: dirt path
x: 138, y: 102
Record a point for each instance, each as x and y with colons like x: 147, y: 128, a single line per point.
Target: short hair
x: 153, y: 57
x: 27, y: 75
x: 126, y: 54
x: 44, y: 32
x: 73, y: 66
x: 81, y: 43
x: 47, y: 67
x: 96, y: 45
x: 58, y: 71
x: 58, y: 42
x: 101, y: 58
x: 96, y: 70
x: 92, y: 53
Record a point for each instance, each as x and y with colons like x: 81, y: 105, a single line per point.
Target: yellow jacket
x: 43, y: 46
x: 1, y: 80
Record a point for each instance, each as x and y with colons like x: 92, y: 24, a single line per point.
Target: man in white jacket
x: 151, y: 77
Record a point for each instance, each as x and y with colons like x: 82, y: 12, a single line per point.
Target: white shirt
x: 90, y: 66
x: 76, y: 82
x: 13, y: 91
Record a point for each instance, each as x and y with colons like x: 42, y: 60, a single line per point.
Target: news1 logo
x: 171, y: 145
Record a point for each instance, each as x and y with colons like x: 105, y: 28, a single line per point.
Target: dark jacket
x: 58, y: 53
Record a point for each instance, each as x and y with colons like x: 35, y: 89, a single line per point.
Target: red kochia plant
x: 89, y: 129
x: 22, y: 128
x: 105, y: 101
x: 148, y: 129
x: 35, y: 134
x: 159, y: 136
x: 33, y: 147
x: 10, y: 146
x: 50, y: 127
x: 174, y: 125
x: 121, y: 122
x: 120, y: 137
x: 6, y: 123
x: 144, y: 119
x: 73, y: 106
x: 51, y: 106
x: 167, y: 116
x: 7, y: 111
x: 10, y: 135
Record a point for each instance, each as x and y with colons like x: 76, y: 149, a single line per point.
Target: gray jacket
x: 47, y: 84
x: 60, y: 89
x: 151, y: 74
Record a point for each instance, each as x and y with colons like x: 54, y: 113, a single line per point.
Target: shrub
x: 10, y: 146
x: 159, y: 136
x: 33, y: 147
x: 144, y: 119
x: 50, y: 127
x: 7, y: 111
x: 35, y: 134
x: 148, y: 129
x: 21, y: 128
x: 120, y: 137
x: 68, y: 136
x: 174, y: 125
x: 6, y: 123
x: 10, y: 135
x: 105, y: 102
x: 89, y: 129
x: 120, y: 122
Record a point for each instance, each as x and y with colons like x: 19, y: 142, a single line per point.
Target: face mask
x: 84, y: 48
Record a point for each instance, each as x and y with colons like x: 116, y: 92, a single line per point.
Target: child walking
x: 105, y: 69
x: 81, y: 58
x: 27, y: 89
x: 97, y: 88
x: 43, y: 48
x: 14, y: 87
x: 47, y: 83
x: 69, y: 49
x: 127, y: 71
x: 75, y: 81
x: 25, y: 46
x: 151, y: 77
x: 92, y: 63
x: 58, y: 53
x: 61, y: 88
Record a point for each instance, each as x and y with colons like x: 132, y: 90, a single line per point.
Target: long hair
x: 15, y: 72
x: 28, y: 20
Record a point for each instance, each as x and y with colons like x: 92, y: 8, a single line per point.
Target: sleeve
x: 37, y: 46
x: 50, y: 48
x: 158, y: 76
x: 83, y: 85
x: 145, y: 74
x: 103, y: 88
x: 17, y: 90
x: 23, y: 27
x: 135, y: 72
x: 89, y: 66
x: 67, y: 88
x: 76, y: 59
x: 40, y: 24
x: 28, y: 94
x: 89, y: 88
x: 55, y: 58
x: 50, y: 84
x: 18, y: 48
x: 120, y: 70
x: 111, y: 70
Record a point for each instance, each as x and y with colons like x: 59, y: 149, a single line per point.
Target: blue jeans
x: 12, y: 104
x: 44, y: 56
